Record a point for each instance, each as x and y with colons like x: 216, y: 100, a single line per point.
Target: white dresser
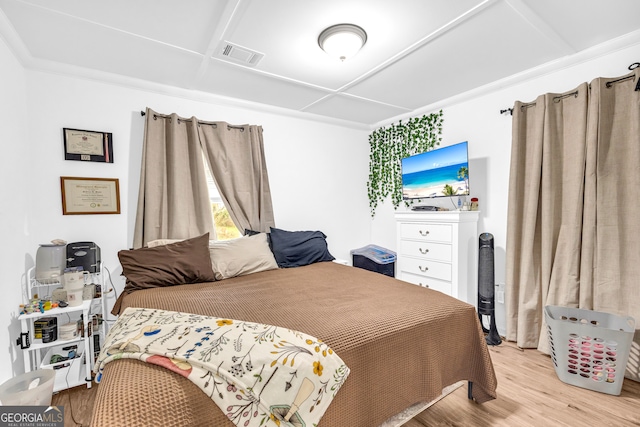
x: 439, y: 250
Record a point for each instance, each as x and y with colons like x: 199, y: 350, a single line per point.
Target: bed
x: 403, y: 344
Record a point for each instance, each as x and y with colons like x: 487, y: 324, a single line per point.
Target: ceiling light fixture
x: 343, y: 40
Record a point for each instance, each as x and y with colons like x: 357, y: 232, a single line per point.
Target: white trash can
x: 33, y: 388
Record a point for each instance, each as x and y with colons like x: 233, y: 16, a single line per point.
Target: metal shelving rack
x: 71, y: 372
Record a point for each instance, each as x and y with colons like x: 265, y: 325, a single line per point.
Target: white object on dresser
x: 439, y: 250
x: 73, y: 372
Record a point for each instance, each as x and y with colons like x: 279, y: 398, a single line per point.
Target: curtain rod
x: 608, y: 85
x: 559, y: 98
x: 531, y: 104
x: 142, y: 113
x: 622, y: 79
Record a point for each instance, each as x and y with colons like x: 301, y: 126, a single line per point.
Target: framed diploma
x: 88, y: 145
x: 86, y: 196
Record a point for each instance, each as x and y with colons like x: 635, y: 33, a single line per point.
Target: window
x: 225, y: 228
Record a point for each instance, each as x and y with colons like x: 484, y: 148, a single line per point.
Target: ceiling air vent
x: 241, y: 55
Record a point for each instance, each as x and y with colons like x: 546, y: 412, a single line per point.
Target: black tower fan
x: 486, y: 288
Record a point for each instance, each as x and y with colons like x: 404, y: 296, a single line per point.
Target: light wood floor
x: 529, y: 394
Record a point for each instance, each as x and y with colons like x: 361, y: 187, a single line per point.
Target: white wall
x: 489, y: 134
x: 15, y: 194
x: 317, y: 171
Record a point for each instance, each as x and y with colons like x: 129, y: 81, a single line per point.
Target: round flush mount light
x: 342, y: 41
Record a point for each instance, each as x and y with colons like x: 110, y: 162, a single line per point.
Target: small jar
x: 474, y: 203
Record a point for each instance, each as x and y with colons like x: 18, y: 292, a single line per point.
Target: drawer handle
x: 424, y: 286
x: 424, y: 233
x: 423, y: 269
x: 423, y: 251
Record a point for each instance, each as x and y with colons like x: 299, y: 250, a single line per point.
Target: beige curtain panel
x: 573, y: 229
x: 236, y: 159
x: 173, y: 200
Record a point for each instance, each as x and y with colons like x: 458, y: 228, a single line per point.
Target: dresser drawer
x: 422, y: 267
x: 427, y: 282
x: 426, y: 231
x: 426, y: 250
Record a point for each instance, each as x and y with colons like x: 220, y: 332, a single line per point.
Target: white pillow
x: 244, y: 255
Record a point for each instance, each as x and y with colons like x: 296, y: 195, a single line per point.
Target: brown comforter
x: 403, y: 344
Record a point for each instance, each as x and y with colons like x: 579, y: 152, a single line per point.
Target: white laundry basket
x: 589, y: 349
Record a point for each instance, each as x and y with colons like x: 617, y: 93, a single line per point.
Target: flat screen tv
x: 426, y: 175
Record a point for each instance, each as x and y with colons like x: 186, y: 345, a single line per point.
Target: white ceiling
x: 418, y: 52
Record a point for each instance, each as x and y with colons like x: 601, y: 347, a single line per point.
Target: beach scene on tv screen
x: 426, y: 175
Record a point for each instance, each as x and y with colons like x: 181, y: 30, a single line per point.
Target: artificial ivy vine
x: 391, y: 144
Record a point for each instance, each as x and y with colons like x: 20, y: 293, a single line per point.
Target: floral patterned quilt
x: 258, y: 374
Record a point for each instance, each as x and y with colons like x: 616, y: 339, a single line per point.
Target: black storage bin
x: 375, y: 258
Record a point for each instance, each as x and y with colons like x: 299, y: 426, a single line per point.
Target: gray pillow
x: 237, y: 257
x: 298, y: 248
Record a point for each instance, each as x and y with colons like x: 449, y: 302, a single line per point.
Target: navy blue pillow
x: 298, y: 248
